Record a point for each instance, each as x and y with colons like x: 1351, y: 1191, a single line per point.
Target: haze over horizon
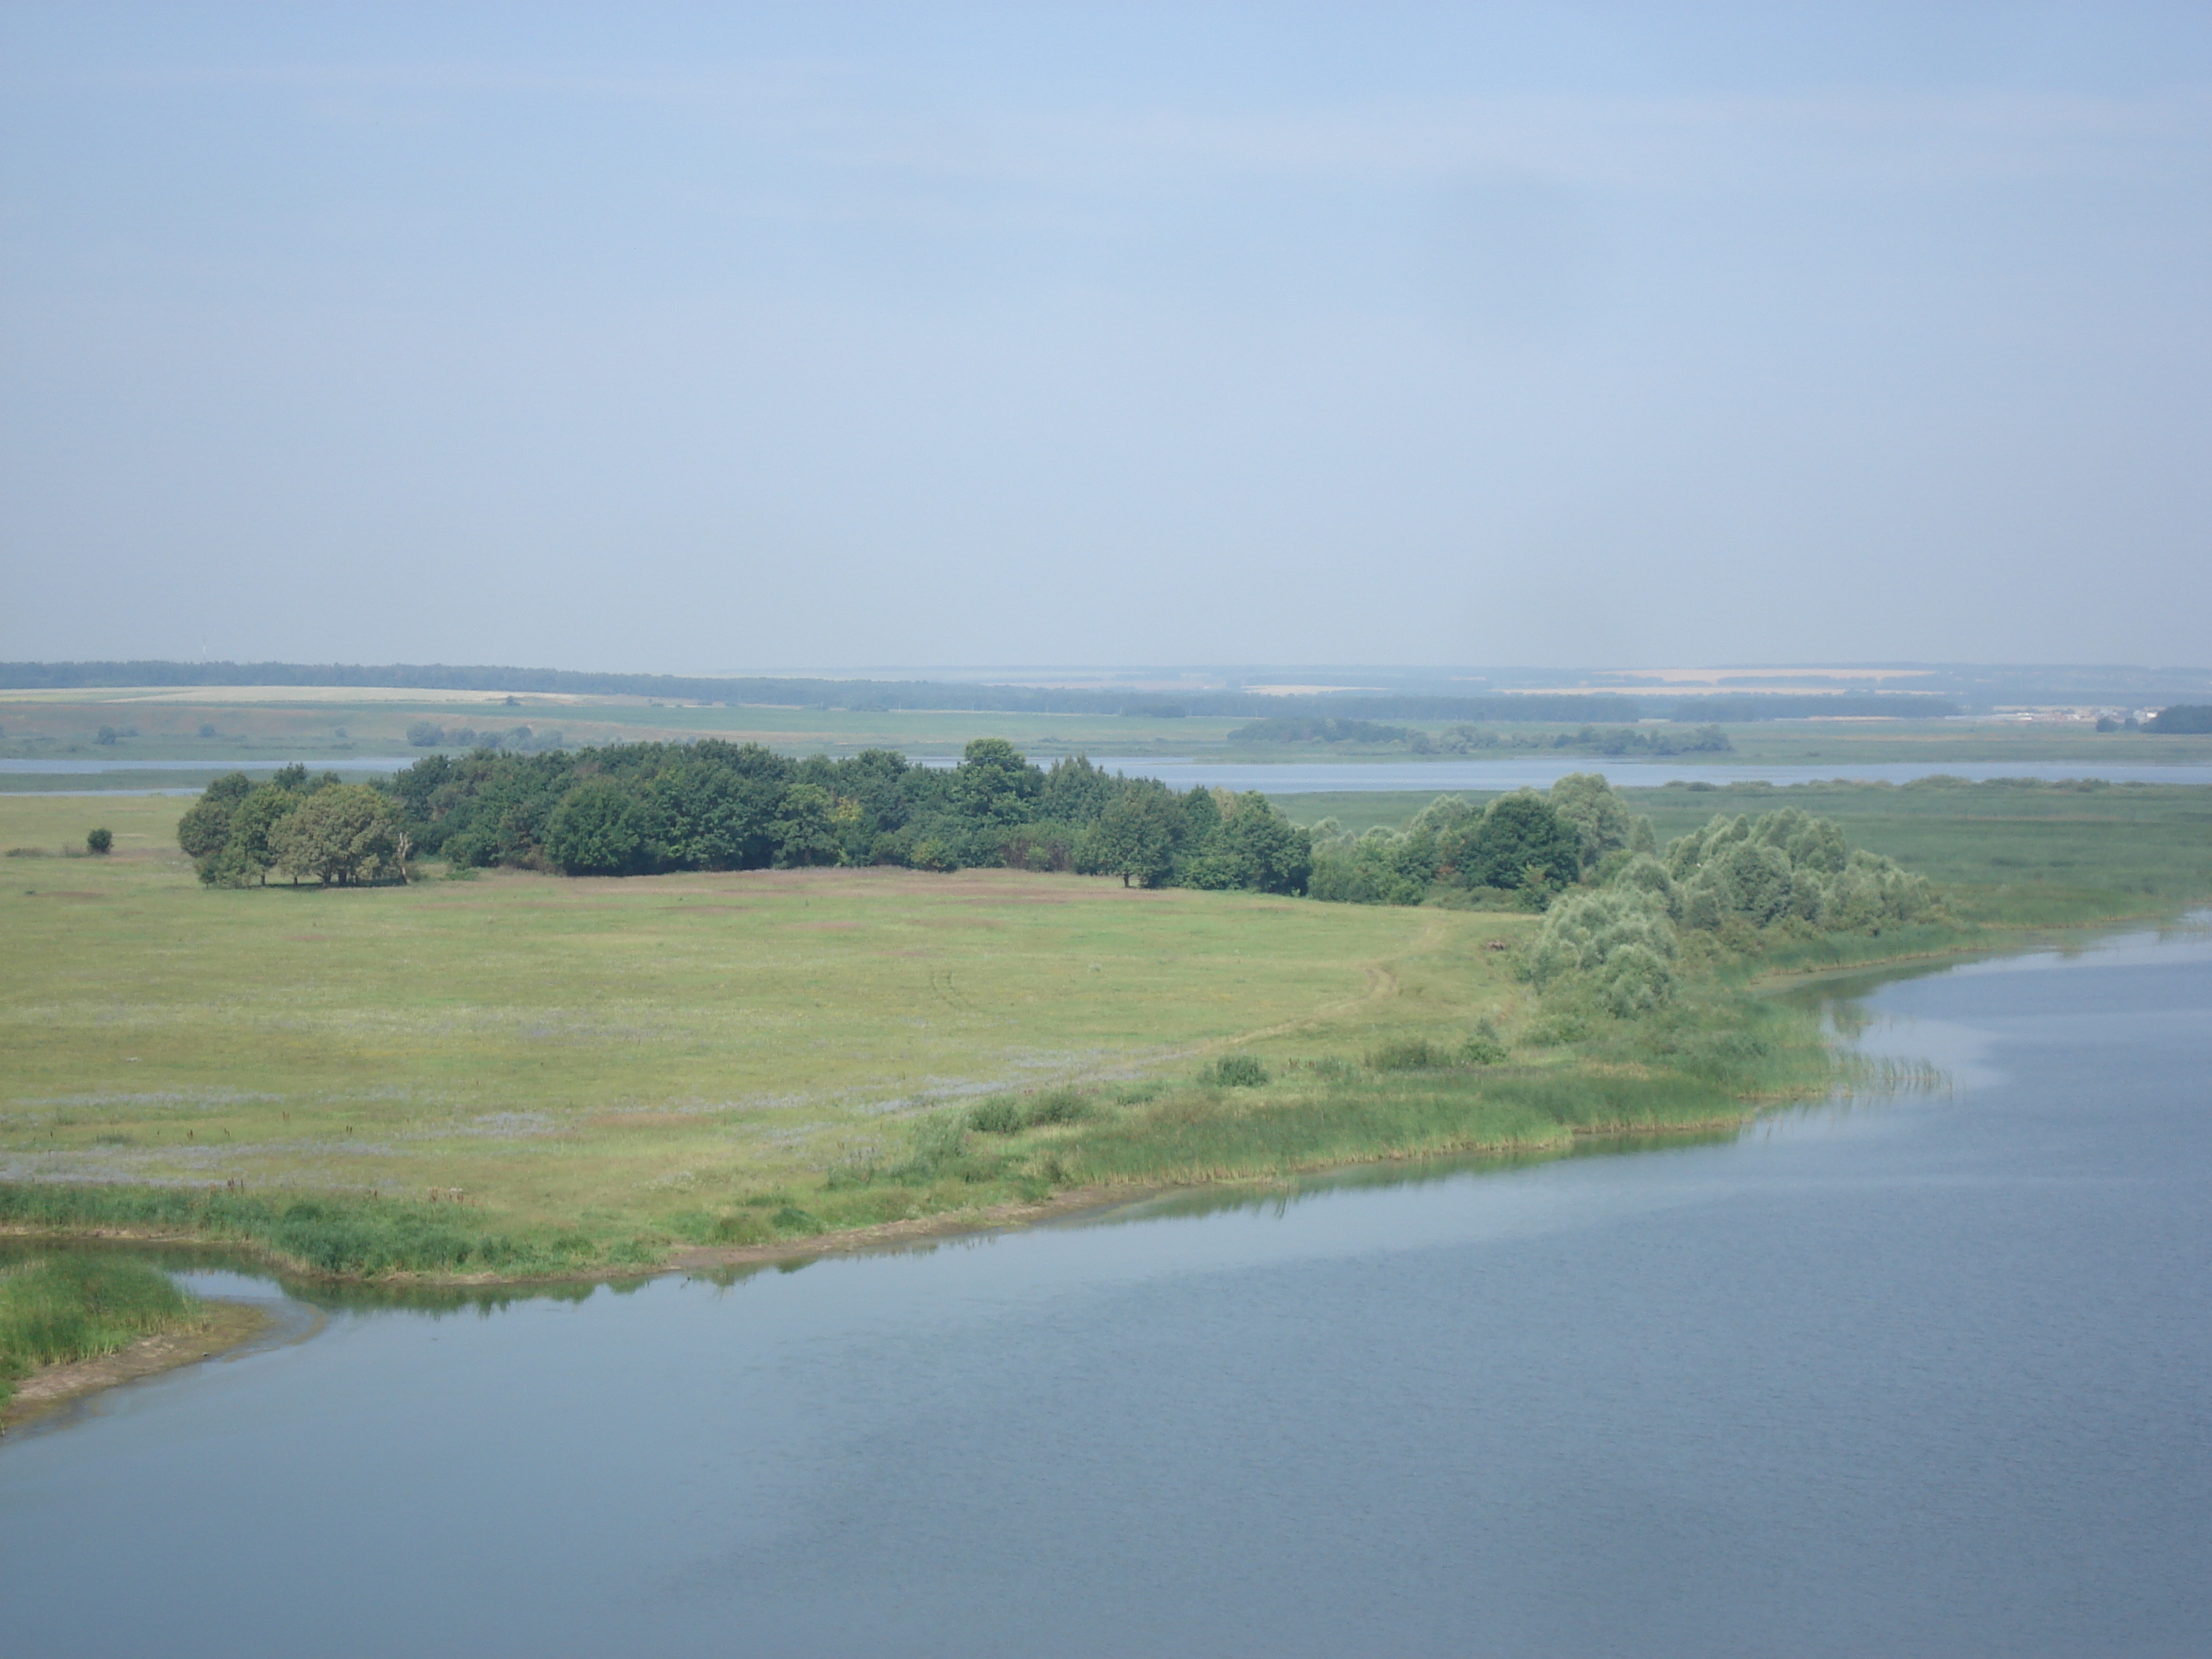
x: 679, y: 340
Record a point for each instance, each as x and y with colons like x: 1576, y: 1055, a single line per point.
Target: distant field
x: 614, y: 1053
x: 266, y: 726
x: 310, y: 725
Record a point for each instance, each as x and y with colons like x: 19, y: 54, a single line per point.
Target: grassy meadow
x: 632, y: 1063
x: 521, y: 1075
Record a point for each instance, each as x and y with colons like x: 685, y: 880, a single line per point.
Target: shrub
x: 1059, y: 1106
x: 1007, y: 1114
x: 98, y: 842
x: 1001, y: 1114
x: 742, y: 1228
x: 1235, y: 1072
x: 1407, y: 1055
x: 1480, y: 1050
x: 1616, y: 942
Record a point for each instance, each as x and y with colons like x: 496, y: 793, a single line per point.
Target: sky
x: 698, y: 338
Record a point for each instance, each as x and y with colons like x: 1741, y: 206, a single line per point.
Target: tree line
x: 638, y: 808
x: 2182, y: 719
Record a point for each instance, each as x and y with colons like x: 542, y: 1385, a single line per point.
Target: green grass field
x: 523, y: 1074
x: 622, y: 1055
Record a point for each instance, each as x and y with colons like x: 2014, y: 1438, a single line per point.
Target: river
x: 1923, y: 1374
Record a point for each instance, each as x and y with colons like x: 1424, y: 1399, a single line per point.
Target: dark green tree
x: 805, y: 826
x: 205, y: 825
x: 1134, y: 838
x: 994, y: 785
x: 1517, y: 834
x: 597, y: 829
x: 341, y: 835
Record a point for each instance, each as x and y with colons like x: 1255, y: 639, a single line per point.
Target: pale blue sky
x: 701, y: 337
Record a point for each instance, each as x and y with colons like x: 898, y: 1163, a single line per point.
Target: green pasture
x: 627, y: 1057
x: 1871, y: 743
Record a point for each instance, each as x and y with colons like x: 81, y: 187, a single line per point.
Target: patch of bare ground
x: 224, y: 1326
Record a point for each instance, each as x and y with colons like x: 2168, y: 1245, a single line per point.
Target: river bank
x: 1731, y: 1054
x: 218, y: 1327
x: 222, y: 1327
x: 1189, y: 1137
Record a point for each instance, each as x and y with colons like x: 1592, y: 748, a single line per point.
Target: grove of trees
x: 341, y: 834
x: 630, y: 809
x: 1526, y: 844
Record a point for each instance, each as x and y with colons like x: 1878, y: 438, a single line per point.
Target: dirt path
x: 1381, y: 984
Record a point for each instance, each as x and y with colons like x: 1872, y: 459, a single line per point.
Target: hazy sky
x: 732, y: 336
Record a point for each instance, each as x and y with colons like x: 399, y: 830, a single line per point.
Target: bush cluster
x: 1464, y: 740
x: 1736, y: 879
x: 1525, y: 846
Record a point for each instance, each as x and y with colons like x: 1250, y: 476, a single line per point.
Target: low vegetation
x: 67, y: 1308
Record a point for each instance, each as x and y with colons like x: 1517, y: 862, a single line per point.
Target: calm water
x: 1920, y: 1376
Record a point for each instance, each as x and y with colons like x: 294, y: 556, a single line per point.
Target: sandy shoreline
x: 225, y: 1326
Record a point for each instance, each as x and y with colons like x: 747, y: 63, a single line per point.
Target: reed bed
x: 57, y: 1309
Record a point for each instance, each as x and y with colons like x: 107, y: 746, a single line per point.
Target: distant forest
x: 2183, y: 720
x: 1553, y: 708
x: 1335, y: 732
